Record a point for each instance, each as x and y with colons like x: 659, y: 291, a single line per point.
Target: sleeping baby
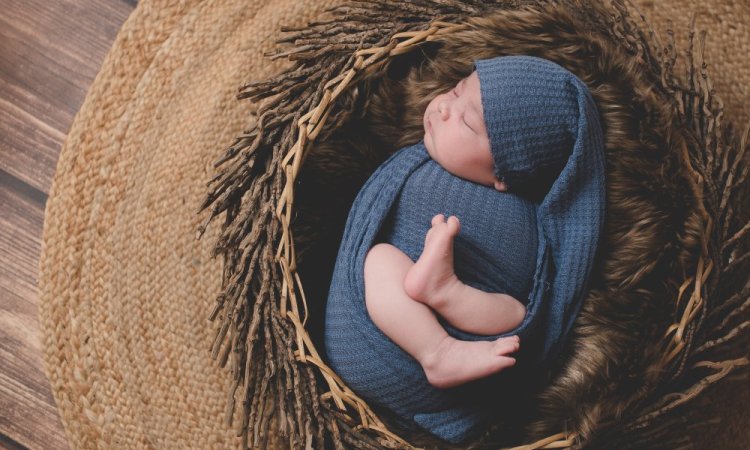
x: 470, y: 251
x: 401, y: 295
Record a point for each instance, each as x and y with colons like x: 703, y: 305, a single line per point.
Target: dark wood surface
x: 50, y: 52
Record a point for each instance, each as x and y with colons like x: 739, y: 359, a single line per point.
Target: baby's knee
x: 520, y: 311
x: 384, y: 255
x: 376, y: 255
x: 378, y: 262
x: 379, y: 251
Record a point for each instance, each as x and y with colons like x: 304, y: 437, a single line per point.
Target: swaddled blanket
x: 544, y: 131
x: 503, y: 242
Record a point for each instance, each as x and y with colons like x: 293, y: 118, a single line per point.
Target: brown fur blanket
x: 672, y: 210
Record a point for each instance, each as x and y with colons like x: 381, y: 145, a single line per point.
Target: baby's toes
x: 503, y: 346
x: 453, y: 225
x: 438, y: 219
x: 435, y: 232
x: 506, y: 362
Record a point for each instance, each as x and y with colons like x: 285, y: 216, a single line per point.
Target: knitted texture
x: 545, y: 134
x: 531, y: 111
x: 519, y: 243
x: 493, y: 252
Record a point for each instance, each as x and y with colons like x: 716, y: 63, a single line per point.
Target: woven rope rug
x: 125, y: 287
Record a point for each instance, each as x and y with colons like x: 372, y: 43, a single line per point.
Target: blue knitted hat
x: 531, y: 108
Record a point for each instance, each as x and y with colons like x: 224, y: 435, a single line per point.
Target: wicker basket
x: 666, y: 316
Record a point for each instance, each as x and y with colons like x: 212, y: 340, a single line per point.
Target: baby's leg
x: 413, y: 326
x: 432, y: 280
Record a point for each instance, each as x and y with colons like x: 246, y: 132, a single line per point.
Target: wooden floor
x: 50, y: 52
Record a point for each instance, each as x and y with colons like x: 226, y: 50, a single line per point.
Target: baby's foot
x: 455, y: 362
x: 432, y: 276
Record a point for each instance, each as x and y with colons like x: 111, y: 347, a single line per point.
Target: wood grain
x: 29, y: 416
x: 50, y: 52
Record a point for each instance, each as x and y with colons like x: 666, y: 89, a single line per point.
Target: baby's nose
x: 444, y: 110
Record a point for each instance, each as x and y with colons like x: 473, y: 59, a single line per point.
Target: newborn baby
x: 401, y: 295
x: 424, y: 312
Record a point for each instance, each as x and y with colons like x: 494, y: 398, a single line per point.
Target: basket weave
x: 124, y: 286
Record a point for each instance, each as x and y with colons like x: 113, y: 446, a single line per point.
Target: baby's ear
x: 500, y: 186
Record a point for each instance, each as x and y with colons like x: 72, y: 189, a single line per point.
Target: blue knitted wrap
x: 547, y: 144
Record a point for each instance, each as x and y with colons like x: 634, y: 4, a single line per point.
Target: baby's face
x: 455, y: 135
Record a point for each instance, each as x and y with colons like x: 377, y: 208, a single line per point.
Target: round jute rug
x: 125, y: 287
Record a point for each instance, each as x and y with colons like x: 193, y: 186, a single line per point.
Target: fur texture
x: 653, y: 227
x: 675, y: 234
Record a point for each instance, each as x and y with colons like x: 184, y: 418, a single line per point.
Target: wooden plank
x: 7, y: 443
x: 21, y: 239
x: 50, y: 55
x: 29, y: 148
x: 30, y: 416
